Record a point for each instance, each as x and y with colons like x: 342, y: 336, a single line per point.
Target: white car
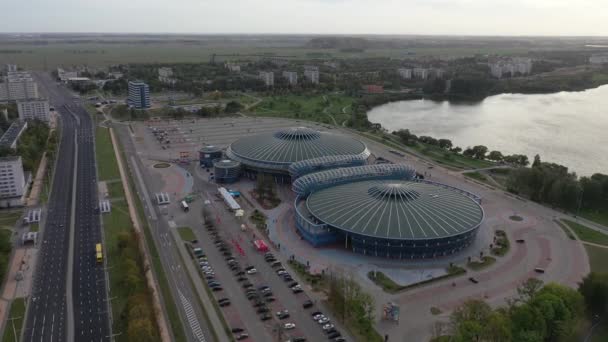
x: 252, y: 271
x: 328, y: 326
x: 323, y: 320
x: 289, y: 326
x: 318, y: 317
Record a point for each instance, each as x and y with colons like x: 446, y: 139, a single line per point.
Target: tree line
x: 137, y: 318
x: 538, y: 313
x: 553, y: 184
x: 480, y: 152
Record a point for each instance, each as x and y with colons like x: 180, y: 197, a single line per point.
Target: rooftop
x: 396, y: 209
x: 290, y: 145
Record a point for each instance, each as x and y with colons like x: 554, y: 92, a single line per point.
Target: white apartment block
x: 34, y: 110
x: 405, y: 73
x: 312, y: 74
x: 11, y: 67
x: 12, y: 181
x: 165, y: 75
x: 291, y: 77
x: 420, y: 73
x: 232, y: 67
x: 598, y: 59
x: 267, y: 77
x: 18, y: 86
x: 511, y: 67
x: 64, y: 76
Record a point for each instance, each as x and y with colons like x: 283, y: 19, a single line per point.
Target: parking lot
x: 258, y: 296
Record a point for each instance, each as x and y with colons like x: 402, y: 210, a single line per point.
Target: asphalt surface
x: 184, y: 295
x: 48, y: 317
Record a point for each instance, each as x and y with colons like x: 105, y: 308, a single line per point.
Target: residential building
x: 64, y: 75
x: 165, y: 75
x: 13, y: 183
x: 277, y: 61
x: 291, y: 76
x: 10, y: 138
x: 373, y: 89
x: 311, y: 73
x: 331, y: 64
x: 267, y: 77
x: 511, y: 67
x: 139, y: 95
x: 11, y: 67
x: 420, y: 73
x: 233, y: 67
x: 436, y: 73
x: 599, y: 59
x: 405, y: 73
x: 18, y: 86
x: 115, y: 74
x: 34, y: 110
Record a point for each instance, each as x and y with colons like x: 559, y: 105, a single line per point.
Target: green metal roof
x: 290, y: 145
x: 396, y: 209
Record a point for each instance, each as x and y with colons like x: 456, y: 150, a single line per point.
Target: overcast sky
x: 466, y: 17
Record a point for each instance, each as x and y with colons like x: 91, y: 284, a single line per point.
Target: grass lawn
x: 600, y: 217
x: 319, y: 108
x: 476, y: 175
x: 587, y: 234
x: 5, y: 237
x: 9, y: 218
x: 106, y: 161
x: 115, y: 190
x: 12, y: 330
x: 114, y: 223
x: 170, y: 307
x: 597, y: 258
x: 186, y: 233
x: 478, y: 265
x: 600, y: 333
x: 34, y: 227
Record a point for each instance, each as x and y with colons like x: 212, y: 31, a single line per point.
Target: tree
x: 479, y: 151
x: 495, y: 156
x: 594, y: 289
x: 445, y: 143
x: 232, y: 107
x: 406, y: 136
x: 528, y: 289
x: 537, y: 162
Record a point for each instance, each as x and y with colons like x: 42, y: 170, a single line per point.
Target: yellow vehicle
x: 99, y: 253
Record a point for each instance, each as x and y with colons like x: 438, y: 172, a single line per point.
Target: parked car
x: 289, y: 326
x: 307, y: 304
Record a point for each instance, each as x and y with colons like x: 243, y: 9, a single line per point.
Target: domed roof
x: 396, y: 209
x: 279, y: 149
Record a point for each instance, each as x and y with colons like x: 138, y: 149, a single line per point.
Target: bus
x: 99, y: 253
x: 185, y: 206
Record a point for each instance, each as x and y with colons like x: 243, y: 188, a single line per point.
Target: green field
x: 53, y: 54
x: 5, y: 251
x: 107, y: 167
x: 9, y: 218
x: 587, y: 234
x: 597, y: 258
x: 14, y: 323
x: 186, y: 233
x: 319, y: 108
x: 600, y: 217
x: 115, y: 190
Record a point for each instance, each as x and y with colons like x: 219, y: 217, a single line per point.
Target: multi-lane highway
x: 69, y: 298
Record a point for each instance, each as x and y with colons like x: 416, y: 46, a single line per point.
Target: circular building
x: 392, y: 218
x: 208, y: 154
x: 226, y: 170
x: 274, y: 152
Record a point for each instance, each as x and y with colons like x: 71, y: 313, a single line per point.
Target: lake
x: 568, y: 128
